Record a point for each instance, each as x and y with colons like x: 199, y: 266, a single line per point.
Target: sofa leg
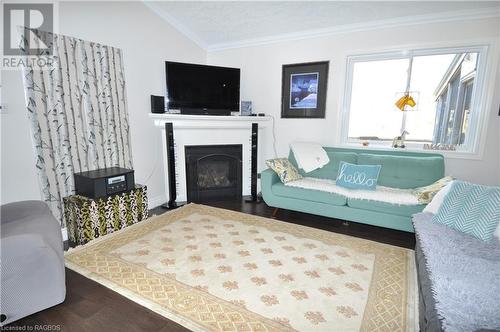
x: 275, y: 213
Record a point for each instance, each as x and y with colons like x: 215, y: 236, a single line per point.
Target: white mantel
x: 209, y: 121
x: 212, y: 130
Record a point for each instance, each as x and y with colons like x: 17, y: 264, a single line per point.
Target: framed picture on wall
x: 303, y: 90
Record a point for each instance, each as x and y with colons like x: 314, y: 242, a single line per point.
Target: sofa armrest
x: 267, y: 179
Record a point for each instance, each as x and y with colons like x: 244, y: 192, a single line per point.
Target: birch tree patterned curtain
x: 78, y: 114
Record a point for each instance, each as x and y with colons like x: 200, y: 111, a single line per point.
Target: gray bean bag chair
x: 32, y: 260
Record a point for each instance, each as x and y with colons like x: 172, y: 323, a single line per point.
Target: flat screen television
x: 201, y: 89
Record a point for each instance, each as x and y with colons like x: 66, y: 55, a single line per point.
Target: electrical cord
x: 154, y: 166
x: 274, y: 136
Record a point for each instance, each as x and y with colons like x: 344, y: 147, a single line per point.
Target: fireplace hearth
x: 213, y: 172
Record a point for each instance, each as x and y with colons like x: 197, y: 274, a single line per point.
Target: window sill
x: 384, y: 147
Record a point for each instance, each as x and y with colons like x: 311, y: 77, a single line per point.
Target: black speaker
x: 172, y: 188
x: 254, y: 141
x: 157, y: 104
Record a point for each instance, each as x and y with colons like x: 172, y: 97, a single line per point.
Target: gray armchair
x: 32, y: 260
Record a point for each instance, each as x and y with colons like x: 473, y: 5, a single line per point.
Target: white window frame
x: 474, y: 141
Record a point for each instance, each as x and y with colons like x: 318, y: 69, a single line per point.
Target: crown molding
x: 480, y: 13
x: 176, y: 24
x: 453, y: 16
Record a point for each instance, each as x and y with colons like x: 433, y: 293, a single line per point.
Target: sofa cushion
x: 330, y: 170
x: 378, y: 206
x: 405, y: 172
x: 384, y: 194
x: 279, y: 189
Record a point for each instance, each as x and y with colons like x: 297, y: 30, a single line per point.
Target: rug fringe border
x: 413, y: 296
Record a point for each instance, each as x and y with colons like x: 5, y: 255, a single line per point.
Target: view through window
x: 441, y: 84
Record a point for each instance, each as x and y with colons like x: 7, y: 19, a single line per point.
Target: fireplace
x: 213, y: 172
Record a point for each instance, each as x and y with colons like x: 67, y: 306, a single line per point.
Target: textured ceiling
x: 219, y: 22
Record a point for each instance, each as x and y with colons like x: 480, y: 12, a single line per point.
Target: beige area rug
x: 211, y: 269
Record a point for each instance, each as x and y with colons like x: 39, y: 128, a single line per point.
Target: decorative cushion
x: 472, y: 209
x: 358, y: 176
x: 437, y: 200
x: 497, y: 232
x: 284, y: 169
x: 426, y: 193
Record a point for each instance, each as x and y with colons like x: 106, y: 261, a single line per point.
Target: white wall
x: 18, y: 178
x: 147, y: 42
x: 261, y: 81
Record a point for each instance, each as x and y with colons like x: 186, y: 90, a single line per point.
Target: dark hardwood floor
x: 90, y: 306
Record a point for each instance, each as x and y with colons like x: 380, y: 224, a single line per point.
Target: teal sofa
x: 400, y: 169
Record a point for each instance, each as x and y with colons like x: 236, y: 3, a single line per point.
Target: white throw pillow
x: 309, y: 156
x: 438, y: 199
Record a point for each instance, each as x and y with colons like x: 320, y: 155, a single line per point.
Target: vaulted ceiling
x: 219, y: 24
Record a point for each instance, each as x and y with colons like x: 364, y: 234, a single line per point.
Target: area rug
x: 211, y: 269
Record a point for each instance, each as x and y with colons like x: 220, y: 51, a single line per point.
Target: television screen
x: 201, y: 89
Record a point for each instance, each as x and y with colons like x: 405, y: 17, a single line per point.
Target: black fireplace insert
x: 213, y: 172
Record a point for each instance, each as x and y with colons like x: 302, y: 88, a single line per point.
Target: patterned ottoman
x: 88, y: 218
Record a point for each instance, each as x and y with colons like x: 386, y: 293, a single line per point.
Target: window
x: 452, y: 118
x: 442, y: 82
